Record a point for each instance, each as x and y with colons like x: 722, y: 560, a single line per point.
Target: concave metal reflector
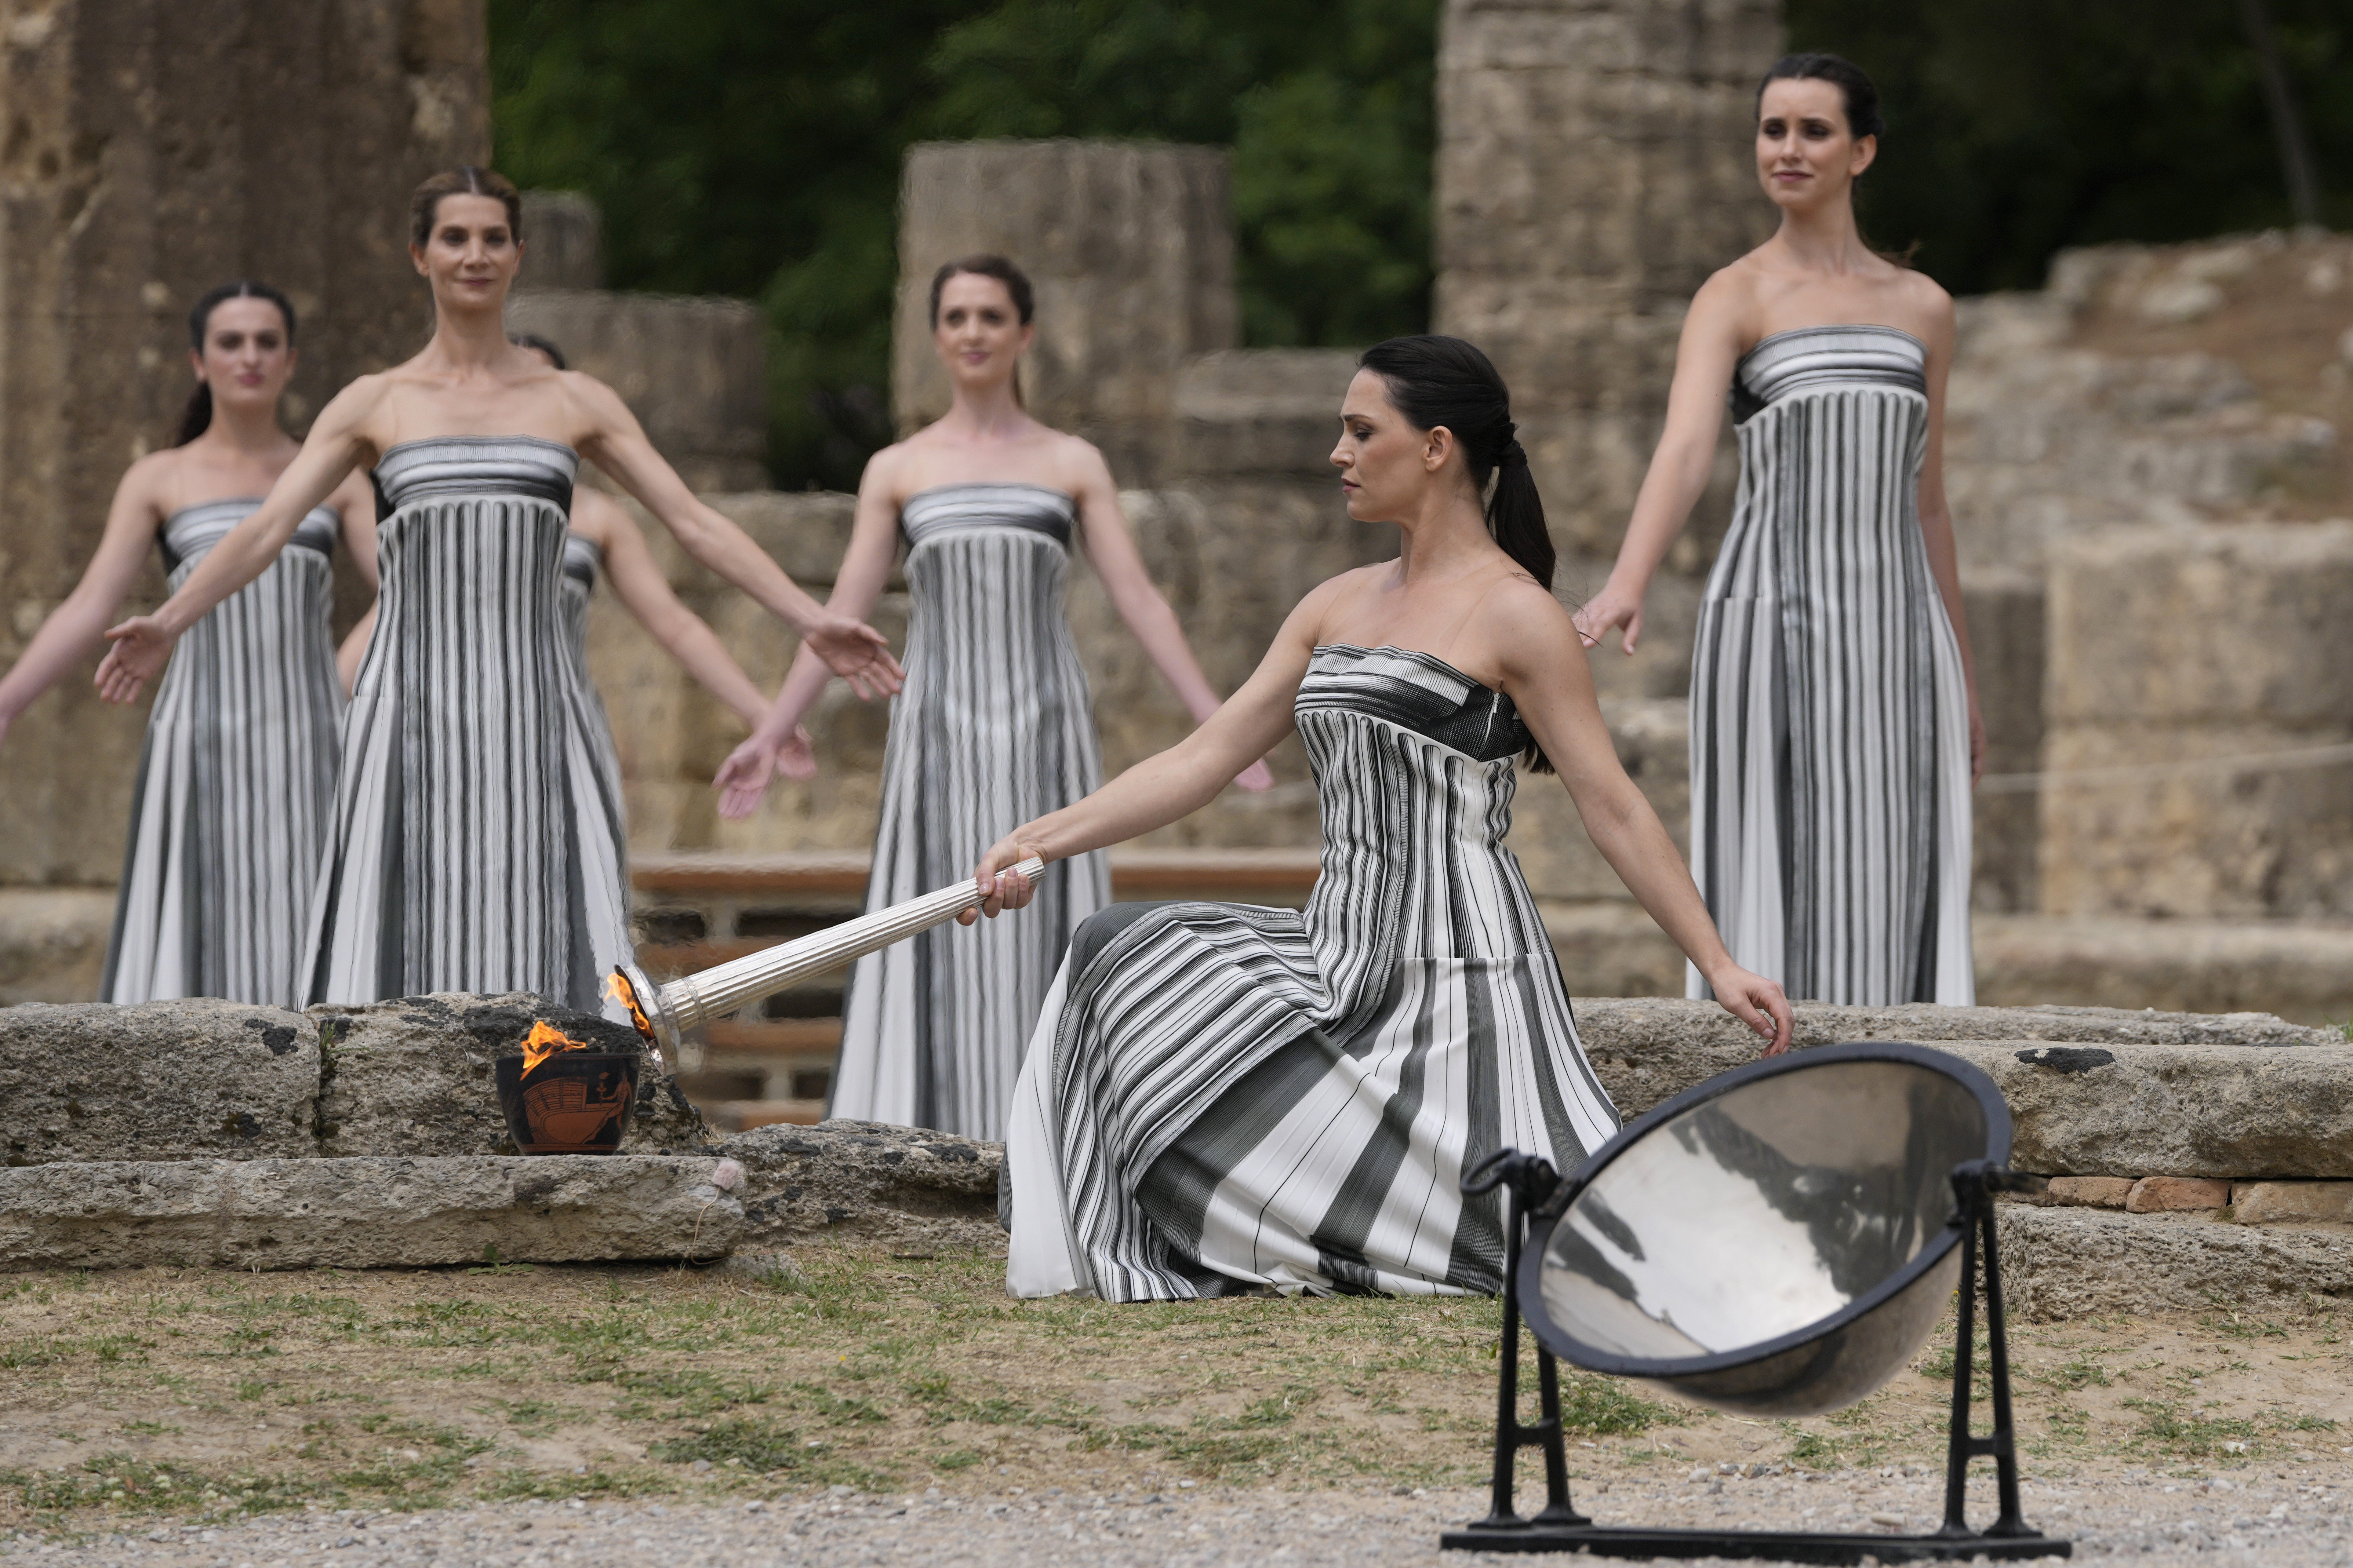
x: 1779, y: 1240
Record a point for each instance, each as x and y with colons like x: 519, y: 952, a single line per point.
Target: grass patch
x: 861, y: 1369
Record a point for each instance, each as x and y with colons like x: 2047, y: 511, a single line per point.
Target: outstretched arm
x: 1704, y: 358
x: 644, y: 592
x: 618, y: 445
x: 73, y: 630
x: 142, y: 643
x: 1158, y: 789
x: 1550, y: 681
x: 1111, y: 550
x: 354, y: 503
x: 777, y: 742
x: 1937, y: 526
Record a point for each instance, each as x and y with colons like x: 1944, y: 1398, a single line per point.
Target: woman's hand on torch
x: 141, y: 647
x: 1001, y: 886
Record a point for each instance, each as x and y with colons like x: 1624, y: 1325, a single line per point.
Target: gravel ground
x: 2282, y: 1519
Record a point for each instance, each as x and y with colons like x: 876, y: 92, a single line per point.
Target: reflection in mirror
x: 1761, y: 1212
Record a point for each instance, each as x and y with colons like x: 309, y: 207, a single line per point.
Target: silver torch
x: 663, y: 1014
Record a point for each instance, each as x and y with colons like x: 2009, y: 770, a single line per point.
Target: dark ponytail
x: 198, y: 416
x: 1435, y: 381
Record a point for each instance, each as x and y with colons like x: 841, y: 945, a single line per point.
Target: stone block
x: 2121, y: 600
x: 2091, y: 1192
x: 693, y: 370
x: 2196, y: 824
x: 414, y: 1077
x: 1247, y: 413
x: 368, y: 1213
x: 911, y: 1190
x: 2303, y: 972
x: 1591, y: 171
x: 1130, y: 246
x: 2167, y: 1195
x: 2005, y: 609
x: 563, y: 241
x: 2280, y: 1203
x: 2064, y: 1264
x: 53, y: 943
x: 2092, y: 1091
x: 162, y: 1080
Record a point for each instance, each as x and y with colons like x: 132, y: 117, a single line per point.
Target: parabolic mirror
x: 1779, y: 1240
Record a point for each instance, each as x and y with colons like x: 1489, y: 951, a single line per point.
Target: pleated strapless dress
x: 603, y: 831
x: 236, y: 779
x: 1829, y: 749
x: 464, y: 857
x: 1288, y: 1098
x: 993, y: 728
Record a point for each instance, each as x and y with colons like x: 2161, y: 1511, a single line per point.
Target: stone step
x: 742, y: 1115
x: 372, y: 1212
x: 2063, y: 1264
x: 2299, y: 970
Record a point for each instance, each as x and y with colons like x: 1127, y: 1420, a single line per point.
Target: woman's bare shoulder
x: 150, y: 480
x: 1925, y: 300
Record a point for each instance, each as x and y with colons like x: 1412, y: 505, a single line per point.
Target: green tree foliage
x: 752, y: 147
x: 2016, y: 128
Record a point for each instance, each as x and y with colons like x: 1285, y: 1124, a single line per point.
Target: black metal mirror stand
x: 1529, y: 1182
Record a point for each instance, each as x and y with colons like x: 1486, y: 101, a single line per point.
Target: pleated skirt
x: 235, y: 796
x: 993, y: 730
x: 471, y: 850
x: 1830, y: 758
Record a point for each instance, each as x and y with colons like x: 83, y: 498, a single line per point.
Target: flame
x: 617, y: 987
x: 544, y: 1041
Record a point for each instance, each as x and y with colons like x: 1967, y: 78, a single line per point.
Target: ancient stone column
x: 156, y: 148
x: 2195, y: 674
x: 1594, y: 167
x: 1131, y: 247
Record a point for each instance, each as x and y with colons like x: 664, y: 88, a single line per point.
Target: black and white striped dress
x: 1830, y: 758
x: 993, y: 729
x: 236, y: 779
x: 1288, y: 1098
x: 462, y: 858
x: 603, y: 833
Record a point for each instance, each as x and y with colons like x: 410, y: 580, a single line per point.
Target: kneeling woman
x: 1219, y: 1093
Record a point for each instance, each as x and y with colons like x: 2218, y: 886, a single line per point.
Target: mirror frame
x: 1529, y: 1288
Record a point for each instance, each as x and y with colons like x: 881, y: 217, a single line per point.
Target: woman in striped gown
x: 995, y: 725
x: 1221, y: 1096
x: 236, y: 777
x: 1835, y: 734
x: 457, y: 859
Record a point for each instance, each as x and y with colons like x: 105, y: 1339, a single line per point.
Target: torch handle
x: 722, y: 989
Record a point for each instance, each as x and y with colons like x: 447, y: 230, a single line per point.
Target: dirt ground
x: 196, y: 1397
